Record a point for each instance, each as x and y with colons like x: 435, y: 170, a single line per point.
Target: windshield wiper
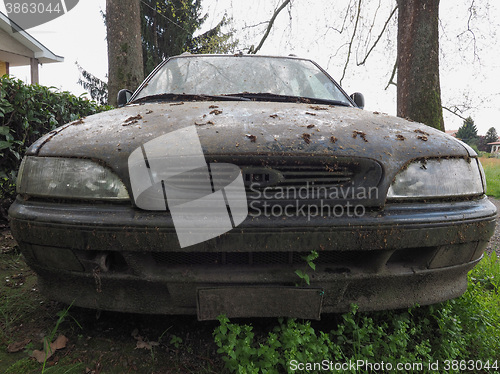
x: 188, y: 97
x: 264, y: 96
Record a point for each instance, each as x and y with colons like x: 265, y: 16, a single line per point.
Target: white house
x: 495, y: 147
x: 18, y: 48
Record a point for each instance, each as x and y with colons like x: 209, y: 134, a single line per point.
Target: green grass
x: 492, y: 170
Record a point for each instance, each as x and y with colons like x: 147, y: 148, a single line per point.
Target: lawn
x: 492, y: 170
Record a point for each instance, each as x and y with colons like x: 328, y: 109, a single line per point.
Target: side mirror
x: 123, y: 97
x: 358, y: 99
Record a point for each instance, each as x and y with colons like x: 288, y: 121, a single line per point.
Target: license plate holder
x: 259, y: 301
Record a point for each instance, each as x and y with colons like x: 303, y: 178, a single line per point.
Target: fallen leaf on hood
x: 315, y: 107
x: 306, y: 137
x: 418, y: 131
x: 252, y: 138
x: 361, y: 134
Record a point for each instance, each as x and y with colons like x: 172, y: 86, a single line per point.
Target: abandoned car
x: 213, y: 186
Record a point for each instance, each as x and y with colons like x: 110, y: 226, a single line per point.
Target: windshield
x: 230, y: 75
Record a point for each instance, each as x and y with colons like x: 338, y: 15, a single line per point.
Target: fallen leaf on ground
x: 18, y: 346
x: 146, y: 345
x: 49, y: 349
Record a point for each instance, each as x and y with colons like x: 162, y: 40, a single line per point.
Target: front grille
x: 330, y: 180
x: 251, y: 258
x: 299, y: 176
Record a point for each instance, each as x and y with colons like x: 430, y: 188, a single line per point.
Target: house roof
x: 17, y: 47
x: 494, y: 143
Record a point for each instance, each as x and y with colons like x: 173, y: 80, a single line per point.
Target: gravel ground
x: 494, y: 244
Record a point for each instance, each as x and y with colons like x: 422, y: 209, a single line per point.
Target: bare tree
x: 125, y: 65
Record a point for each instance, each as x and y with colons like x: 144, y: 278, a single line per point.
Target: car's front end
x: 396, y: 211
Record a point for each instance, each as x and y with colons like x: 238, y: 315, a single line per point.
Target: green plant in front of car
x: 302, y: 274
x: 461, y: 329
x: 62, y: 316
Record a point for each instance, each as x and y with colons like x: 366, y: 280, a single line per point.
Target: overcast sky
x: 469, y: 59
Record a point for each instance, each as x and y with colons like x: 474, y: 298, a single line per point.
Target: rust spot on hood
x: 306, y: 137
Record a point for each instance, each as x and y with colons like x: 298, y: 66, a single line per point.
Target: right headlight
x: 432, y: 178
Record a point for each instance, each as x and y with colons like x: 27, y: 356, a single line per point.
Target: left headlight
x: 435, y: 178
x: 73, y: 178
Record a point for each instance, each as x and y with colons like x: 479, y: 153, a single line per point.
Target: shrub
x: 26, y: 113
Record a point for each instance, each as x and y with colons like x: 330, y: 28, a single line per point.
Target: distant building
x: 495, y: 147
x: 18, y: 48
x: 452, y: 133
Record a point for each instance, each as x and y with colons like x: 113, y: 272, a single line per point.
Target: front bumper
x: 120, y: 258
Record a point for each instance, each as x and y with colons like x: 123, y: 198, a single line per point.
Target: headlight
x: 69, y: 178
x: 438, y: 178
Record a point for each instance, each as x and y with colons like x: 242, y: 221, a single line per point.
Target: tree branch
x: 454, y: 112
x: 269, y: 27
x: 469, y: 30
x: 352, y: 41
x: 379, y: 36
x: 391, y: 80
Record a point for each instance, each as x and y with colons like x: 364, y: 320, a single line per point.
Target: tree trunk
x: 125, y: 65
x: 418, y: 92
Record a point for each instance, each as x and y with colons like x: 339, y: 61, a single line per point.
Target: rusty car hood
x: 248, y: 128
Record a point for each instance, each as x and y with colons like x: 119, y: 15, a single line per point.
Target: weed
x: 175, y: 341
x: 302, y: 274
x: 62, y: 315
x: 467, y: 328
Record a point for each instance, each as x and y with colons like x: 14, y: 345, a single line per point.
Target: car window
x: 226, y: 75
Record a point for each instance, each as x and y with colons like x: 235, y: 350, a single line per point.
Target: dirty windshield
x: 231, y: 75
